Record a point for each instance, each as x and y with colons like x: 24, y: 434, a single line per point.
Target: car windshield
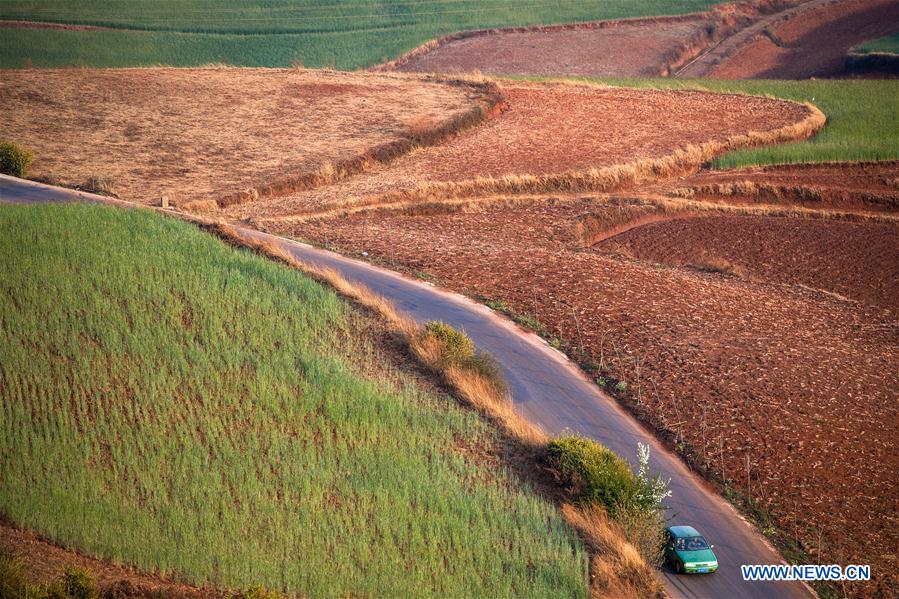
x: 691, y: 544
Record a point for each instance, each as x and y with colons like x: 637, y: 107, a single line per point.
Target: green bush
x: 595, y: 472
x: 14, y: 160
x: 458, y: 348
x: 77, y: 583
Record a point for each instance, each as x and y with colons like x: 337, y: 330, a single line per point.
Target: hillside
x: 200, y: 412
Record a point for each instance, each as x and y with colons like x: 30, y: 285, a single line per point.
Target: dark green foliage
x: 594, y: 472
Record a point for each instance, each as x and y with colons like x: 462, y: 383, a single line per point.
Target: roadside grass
x: 888, y: 44
x: 861, y: 117
x: 345, y: 35
x: 187, y: 408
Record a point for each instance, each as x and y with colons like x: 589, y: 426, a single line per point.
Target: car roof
x: 684, y: 531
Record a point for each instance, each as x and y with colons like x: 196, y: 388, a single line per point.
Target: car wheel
x: 679, y: 567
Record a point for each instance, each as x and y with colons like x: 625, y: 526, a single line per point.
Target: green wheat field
x: 169, y: 402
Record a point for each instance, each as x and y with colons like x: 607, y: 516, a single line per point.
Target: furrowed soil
x: 549, y: 131
x: 773, y: 368
x: 858, y: 261
x: 812, y: 42
x: 192, y: 134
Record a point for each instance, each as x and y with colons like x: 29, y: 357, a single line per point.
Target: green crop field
x: 172, y: 403
x: 861, y: 117
x: 889, y: 44
x: 342, y: 34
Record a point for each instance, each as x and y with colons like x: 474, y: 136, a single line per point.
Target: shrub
x: 595, y: 473
x: 486, y: 366
x: 457, y: 347
x: 75, y: 583
x: 14, y: 160
x: 599, y: 476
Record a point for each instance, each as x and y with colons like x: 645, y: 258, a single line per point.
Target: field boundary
x: 725, y: 20
x: 683, y: 161
x: 489, y: 104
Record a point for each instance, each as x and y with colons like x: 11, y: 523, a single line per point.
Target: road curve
x: 549, y: 390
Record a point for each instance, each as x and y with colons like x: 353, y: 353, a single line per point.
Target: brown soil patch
x: 859, y: 261
x: 799, y: 381
x: 45, y: 562
x: 196, y: 134
x: 642, y: 47
x: 652, y: 46
x: 812, y: 42
x: 867, y: 186
x: 558, y: 136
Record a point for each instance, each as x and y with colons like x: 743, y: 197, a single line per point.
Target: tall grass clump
x: 14, y: 160
x: 177, y: 405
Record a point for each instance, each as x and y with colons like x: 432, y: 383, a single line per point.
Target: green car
x: 688, y: 552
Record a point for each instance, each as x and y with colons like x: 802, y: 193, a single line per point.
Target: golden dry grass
x: 197, y: 135
x: 617, y: 569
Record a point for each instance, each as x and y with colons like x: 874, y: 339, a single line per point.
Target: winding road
x: 549, y: 390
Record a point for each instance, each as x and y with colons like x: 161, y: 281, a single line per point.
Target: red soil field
x: 813, y: 43
x: 800, y: 382
x: 555, y: 130
x: 638, y: 47
x: 859, y: 261
x: 651, y: 46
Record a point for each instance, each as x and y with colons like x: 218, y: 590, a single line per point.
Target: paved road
x: 552, y: 392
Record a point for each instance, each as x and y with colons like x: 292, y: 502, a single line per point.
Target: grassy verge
x: 888, y: 44
x: 256, y: 33
x: 174, y: 404
x: 861, y: 117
